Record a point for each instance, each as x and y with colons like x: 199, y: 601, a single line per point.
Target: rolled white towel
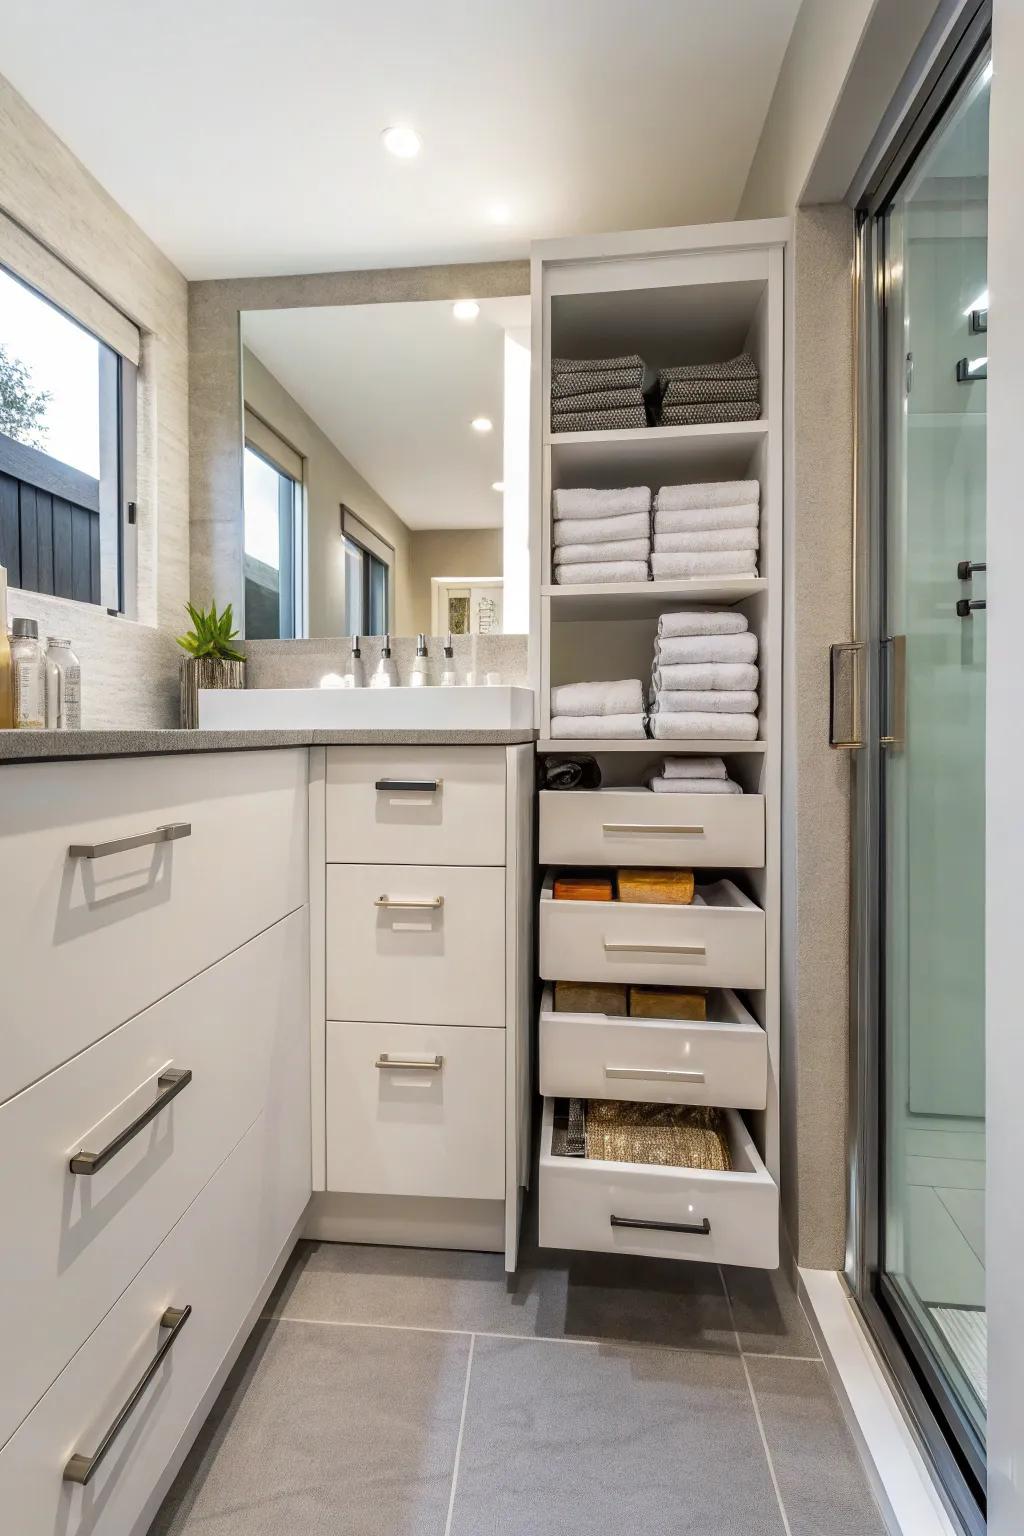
x: 725, y: 786
x: 699, y: 519
x: 670, y: 725
x: 585, y: 727
x: 719, y: 701
x: 691, y: 649
x: 603, y: 572
x: 702, y: 621
x: 706, y: 540
x: 583, y: 554
x: 709, y: 493
x: 582, y: 501
x: 706, y: 675
x: 719, y: 562
x: 600, y: 530
x: 623, y: 697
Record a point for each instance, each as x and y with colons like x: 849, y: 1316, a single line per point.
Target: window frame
x: 292, y: 608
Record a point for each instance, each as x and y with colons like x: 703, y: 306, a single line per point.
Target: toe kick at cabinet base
x: 407, y: 1221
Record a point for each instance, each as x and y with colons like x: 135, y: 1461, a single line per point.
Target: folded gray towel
x: 693, y: 649
x: 698, y: 726
x: 706, y: 415
x: 694, y: 768
x: 560, y: 366
x: 600, y: 530
x: 717, y: 562
x: 603, y: 572
x: 601, y: 421
x: 700, y: 621
x: 696, y: 391
x: 565, y: 384
x: 623, y: 697
x: 740, y: 367
x: 724, y: 701
x: 614, y: 727
x: 723, y: 786
x: 703, y: 519
x: 585, y: 502
x: 706, y: 675
x: 587, y: 554
x: 708, y: 493
x: 596, y: 400
x: 705, y: 541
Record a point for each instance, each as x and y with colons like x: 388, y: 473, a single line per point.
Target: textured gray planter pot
x: 205, y: 672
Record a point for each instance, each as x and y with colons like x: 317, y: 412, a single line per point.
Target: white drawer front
x: 76, y: 1240
x: 210, y: 1262
x: 740, y: 1209
x: 700, y: 945
x: 397, y: 1128
x: 636, y: 826
x: 87, y: 943
x: 593, y: 1055
x: 440, y: 959
x: 416, y: 805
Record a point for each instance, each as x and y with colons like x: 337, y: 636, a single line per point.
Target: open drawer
x: 723, y: 1061
x: 717, y: 941
x: 666, y: 1213
x: 636, y: 826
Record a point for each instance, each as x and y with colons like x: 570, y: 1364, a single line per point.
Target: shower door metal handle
x: 967, y: 568
x: 894, y: 647
x: 966, y: 606
x: 854, y: 740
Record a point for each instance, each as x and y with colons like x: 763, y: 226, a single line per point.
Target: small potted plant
x: 212, y: 661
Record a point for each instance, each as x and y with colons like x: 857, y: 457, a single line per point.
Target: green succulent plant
x: 211, y: 634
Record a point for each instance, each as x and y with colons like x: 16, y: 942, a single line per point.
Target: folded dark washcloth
x: 596, y: 400
x: 579, y: 383
x: 571, y: 773
x: 563, y: 365
x: 700, y: 415
x: 698, y: 391
x: 600, y: 421
x: 742, y: 367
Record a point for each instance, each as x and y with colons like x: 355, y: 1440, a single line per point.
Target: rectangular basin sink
x: 344, y: 709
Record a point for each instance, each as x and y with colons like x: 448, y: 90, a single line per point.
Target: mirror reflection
x: 386, y: 468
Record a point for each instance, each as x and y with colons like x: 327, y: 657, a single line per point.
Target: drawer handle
x: 693, y: 1228
x: 169, y: 1084
x: 409, y: 901
x: 615, y: 947
x: 654, y: 1074
x: 388, y: 1063
x: 425, y: 786
x: 80, y: 1468
x: 167, y: 834
x: 643, y: 826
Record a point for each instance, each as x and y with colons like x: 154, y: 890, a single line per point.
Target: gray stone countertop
x: 53, y: 746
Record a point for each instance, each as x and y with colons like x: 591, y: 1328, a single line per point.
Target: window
x: 273, y: 559
x: 67, y: 441
x: 367, y: 577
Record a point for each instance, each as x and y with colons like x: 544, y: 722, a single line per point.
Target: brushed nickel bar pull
x: 640, y: 826
x: 614, y: 947
x: 386, y: 1062
x: 694, y: 1228
x: 167, y: 834
x: 654, y: 1075
x: 896, y: 693
x: 854, y: 742
x: 426, y: 786
x: 410, y: 901
x: 80, y: 1469
x: 169, y: 1085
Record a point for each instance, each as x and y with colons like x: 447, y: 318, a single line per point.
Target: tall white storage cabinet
x: 693, y: 294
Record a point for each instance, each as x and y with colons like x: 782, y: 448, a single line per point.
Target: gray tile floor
x: 404, y: 1392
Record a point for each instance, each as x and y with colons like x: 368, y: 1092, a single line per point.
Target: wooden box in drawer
x: 718, y: 941
x: 416, y: 805
x: 636, y: 826
x: 91, y: 937
x: 666, y: 1213
x: 594, y: 1055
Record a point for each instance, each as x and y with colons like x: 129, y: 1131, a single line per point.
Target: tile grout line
x: 458, y: 1443
x: 757, y: 1411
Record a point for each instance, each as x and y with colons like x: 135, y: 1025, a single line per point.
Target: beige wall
x: 330, y: 480
x: 129, y: 669
x: 450, y: 552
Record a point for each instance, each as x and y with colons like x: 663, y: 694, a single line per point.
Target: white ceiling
x: 243, y: 135
x: 395, y: 387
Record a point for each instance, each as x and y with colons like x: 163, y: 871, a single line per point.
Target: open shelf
x: 641, y: 599
x: 705, y: 748
x: 649, y: 455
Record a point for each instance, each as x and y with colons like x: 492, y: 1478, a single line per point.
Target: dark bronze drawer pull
x: 694, y: 1228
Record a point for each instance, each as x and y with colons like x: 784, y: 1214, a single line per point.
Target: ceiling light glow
x: 981, y: 302
x: 500, y: 213
x: 498, y: 485
x: 465, y: 309
x: 482, y: 424
x: 402, y: 142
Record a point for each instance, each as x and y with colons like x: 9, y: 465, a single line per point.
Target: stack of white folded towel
x: 601, y: 536
x: 705, y: 676
x: 694, y: 776
x: 706, y: 530
x: 615, y: 710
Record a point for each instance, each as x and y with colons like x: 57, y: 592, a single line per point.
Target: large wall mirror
x: 386, y: 468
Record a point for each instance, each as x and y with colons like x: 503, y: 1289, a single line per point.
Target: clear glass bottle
x: 420, y: 675
x: 385, y: 674
x: 6, y: 664
x: 448, y: 675
x: 29, y: 668
x: 63, y: 686
x: 352, y: 677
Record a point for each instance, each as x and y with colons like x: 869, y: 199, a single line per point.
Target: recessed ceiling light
x: 482, y: 424
x: 404, y: 143
x: 498, y: 485
x: 465, y: 309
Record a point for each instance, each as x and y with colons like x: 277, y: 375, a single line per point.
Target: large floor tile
x: 822, y: 1482
x: 326, y: 1430
x: 564, y: 1437
x: 767, y: 1312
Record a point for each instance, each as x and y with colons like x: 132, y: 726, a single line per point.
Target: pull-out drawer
x: 664, y: 1061
x: 209, y: 1263
x: 94, y: 933
x: 416, y: 1109
x: 416, y: 944
x: 718, y: 941
x: 416, y: 805
x: 162, y: 1101
x: 636, y: 826
x: 664, y: 1213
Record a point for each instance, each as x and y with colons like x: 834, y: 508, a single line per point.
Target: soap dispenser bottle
x: 6, y: 664
x: 352, y: 677
x: 419, y: 677
x: 448, y: 677
x: 385, y: 673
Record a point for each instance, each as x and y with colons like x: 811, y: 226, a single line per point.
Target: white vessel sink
x: 343, y: 709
